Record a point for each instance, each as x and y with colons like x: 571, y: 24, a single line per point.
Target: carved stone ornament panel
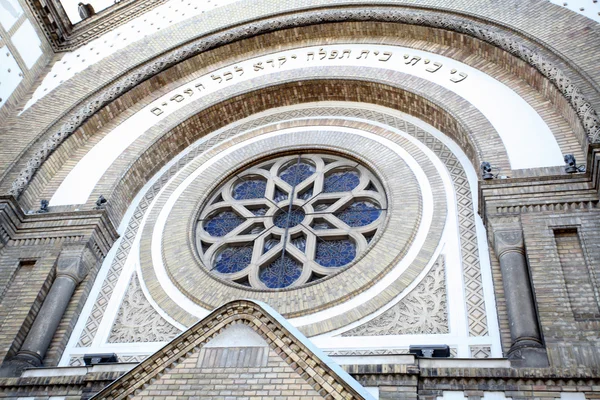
x: 423, y: 311
x: 138, y: 322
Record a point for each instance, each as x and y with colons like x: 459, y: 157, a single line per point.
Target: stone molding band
x: 496, y: 37
x: 518, y: 250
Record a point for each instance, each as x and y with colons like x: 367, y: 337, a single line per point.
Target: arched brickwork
x: 425, y: 21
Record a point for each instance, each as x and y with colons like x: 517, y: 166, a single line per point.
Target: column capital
x: 507, y: 235
x: 506, y: 241
x: 70, y: 262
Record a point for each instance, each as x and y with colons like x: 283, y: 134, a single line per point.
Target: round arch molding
x: 531, y: 60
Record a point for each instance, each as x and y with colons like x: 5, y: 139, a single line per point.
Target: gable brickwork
x: 298, y: 365
x: 188, y: 380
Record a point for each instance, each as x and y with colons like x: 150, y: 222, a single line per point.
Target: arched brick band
x: 494, y: 36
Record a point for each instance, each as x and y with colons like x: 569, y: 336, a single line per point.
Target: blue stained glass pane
x: 250, y: 189
x: 359, y: 214
x: 300, y: 243
x: 335, y: 253
x: 341, y: 182
x: 306, y: 195
x: 321, y: 224
x: 281, y: 273
x: 259, y: 211
x: 369, y: 237
x: 279, y: 195
x: 222, y: 223
x: 284, y: 219
x: 269, y: 244
x: 233, y: 259
x: 297, y: 173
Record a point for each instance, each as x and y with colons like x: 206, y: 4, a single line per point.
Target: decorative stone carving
x: 480, y: 351
x: 423, y: 311
x: 505, y: 241
x: 494, y: 36
x: 70, y: 263
x: 137, y: 321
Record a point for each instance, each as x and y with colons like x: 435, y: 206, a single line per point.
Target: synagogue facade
x: 300, y: 199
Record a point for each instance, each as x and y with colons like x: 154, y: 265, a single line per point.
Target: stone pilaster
x: 71, y: 269
x: 527, y: 349
x: 81, y: 240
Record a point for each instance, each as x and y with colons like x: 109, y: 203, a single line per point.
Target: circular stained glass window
x: 290, y: 221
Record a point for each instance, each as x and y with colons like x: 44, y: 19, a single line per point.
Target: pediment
x: 241, y: 349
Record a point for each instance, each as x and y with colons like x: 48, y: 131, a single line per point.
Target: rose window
x: 289, y: 221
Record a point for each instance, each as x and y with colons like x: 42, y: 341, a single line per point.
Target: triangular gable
x: 240, y: 337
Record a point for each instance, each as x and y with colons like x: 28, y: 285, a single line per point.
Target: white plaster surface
x: 587, y: 8
x: 571, y: 396
x: 10, y: 74
x: 237, y: 335
x: 526, y: 137
x: 159, y: 18
x: 452, y: 395
x: 27, y: 43
x: 10, y: 11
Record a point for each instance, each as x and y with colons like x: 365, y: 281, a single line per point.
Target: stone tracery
x: 289, y: 221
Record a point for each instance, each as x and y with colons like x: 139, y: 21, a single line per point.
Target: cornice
x: 64, y: 36
x: 91, y: 226
x: 537, y: 194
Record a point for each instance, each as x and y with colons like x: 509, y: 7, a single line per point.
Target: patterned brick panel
x: 581, y: 286
x: 189, y: 381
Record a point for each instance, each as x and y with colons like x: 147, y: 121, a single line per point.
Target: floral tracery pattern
x: 422, y: 311
x: 289, y: 221
x: 137, y: 321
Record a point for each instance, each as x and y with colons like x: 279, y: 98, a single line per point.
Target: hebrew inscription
x: 308, y: 57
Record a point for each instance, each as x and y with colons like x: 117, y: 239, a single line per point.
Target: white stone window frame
x: 337, y: 201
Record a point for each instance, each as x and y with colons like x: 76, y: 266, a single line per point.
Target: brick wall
x: 191, y: 380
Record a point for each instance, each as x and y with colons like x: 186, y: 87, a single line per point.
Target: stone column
x: 70, y: 270
x: 527, y: 349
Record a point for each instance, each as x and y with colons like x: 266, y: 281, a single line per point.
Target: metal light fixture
x: 571, y: 165
x: 102, y: 358
x: 486, y: 171
x: 430, y: 351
